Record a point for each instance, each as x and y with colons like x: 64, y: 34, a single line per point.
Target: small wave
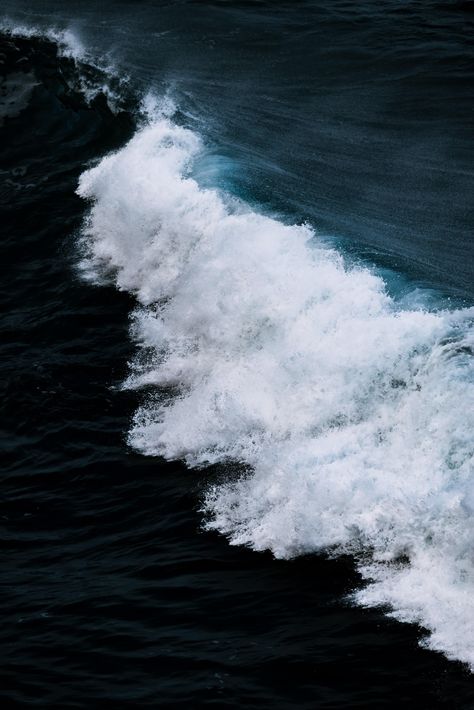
x: 91, y: 77
x: 351, y: 414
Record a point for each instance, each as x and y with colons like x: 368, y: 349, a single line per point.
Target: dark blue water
x: 356, y: 118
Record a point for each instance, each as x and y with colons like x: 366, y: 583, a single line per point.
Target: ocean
x: 237, y: 354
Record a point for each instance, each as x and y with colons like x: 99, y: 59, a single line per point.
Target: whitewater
x: 350, y: 413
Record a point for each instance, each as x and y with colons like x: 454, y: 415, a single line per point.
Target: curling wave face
x: 351, y: 415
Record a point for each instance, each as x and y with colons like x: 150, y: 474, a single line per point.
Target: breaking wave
x: 350, y: 413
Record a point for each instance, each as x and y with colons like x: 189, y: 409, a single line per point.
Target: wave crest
x: 352, y: 415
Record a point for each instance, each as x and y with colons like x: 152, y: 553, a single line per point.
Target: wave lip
x: 352, y: 415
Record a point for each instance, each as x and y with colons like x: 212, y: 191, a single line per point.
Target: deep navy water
x: 119, y: 587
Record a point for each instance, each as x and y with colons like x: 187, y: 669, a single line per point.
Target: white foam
x: 353, y: 415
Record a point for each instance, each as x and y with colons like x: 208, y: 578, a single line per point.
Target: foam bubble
x: 351, y: 414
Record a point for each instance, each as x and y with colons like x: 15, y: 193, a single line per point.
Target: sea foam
x: 352, y: 416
